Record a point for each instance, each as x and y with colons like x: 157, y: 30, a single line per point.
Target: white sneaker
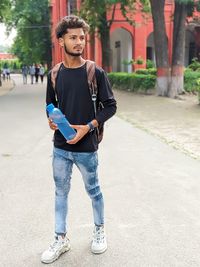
x: 58, y: 247
x: 99, y: 244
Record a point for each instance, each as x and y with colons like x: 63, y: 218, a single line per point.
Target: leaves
x: 191, y: 5
x: 5, y: 5
x: 32, y: 22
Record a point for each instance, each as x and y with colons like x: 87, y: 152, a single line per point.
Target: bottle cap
x: 50, y: 107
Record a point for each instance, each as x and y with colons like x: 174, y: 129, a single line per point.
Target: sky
x: 4, y: 40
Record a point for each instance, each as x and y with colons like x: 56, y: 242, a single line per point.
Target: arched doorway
x: 197, y: 41
x: 121, y: 46
x: 151, y: 48
x: 190, y: 47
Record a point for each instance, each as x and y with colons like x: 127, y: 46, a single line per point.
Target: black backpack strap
x: 92, y: 82
x: 54, y: 75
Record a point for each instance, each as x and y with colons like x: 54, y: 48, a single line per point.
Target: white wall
x: 125, y: 50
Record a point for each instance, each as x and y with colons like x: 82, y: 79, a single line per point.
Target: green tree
x: 95, y: 12
x: 32, y: 22
x: 161, y: 46
x: 183, y: 9
x: 5, y: 5
x: 170, y: 77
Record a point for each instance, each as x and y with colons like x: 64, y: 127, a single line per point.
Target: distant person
x: 41, y: 73
x: 32, y: 72
x: 8, y: 74
x: 4, y: 74
x: 24, y: 73
x: 37, y: 70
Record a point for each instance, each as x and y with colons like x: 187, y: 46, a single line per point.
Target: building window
x: 71, y: 6
x: 149, y: 53
x: 118, y: 55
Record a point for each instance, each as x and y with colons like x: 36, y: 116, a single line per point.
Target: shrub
x: 195, y: 65
x: 151, y: 71
x: 12, y: 64
x: 150, y: 64
x: 142, y: 71
x: 143, y: 80
x: 198, y: 89
x: 132, y: 81
x: 127, y: 62
x: 190, y: 80
x: 139, y: 61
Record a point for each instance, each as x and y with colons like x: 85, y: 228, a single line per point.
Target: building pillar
x: 58, y: 11
x: 78, y: 4
x: 140, y: 44
x: 197, y: 42
x: 97, y: 51
x: 92, y: 48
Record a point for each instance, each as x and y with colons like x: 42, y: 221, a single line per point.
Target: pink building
x: 6, y: 56
x: 127, y: 41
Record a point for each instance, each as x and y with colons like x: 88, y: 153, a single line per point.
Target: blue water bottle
x: 63, y: 125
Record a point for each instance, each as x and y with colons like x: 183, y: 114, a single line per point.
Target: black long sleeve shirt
x: 73, y: 97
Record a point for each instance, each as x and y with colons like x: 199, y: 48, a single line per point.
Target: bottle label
x: 58, y: 118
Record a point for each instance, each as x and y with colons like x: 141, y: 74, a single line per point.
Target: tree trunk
x: 178, y: 56
x: 105, y: 43
x: 48, y: 55
x: 161, y: 46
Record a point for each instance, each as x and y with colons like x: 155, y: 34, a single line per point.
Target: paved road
x: 151, y: 191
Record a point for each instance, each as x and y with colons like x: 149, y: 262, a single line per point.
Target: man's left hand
x: 82, y: 130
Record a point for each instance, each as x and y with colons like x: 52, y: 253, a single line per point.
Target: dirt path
x: 177, y: 122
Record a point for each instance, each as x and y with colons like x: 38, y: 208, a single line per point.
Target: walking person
x: 4, y: 74
x: 32, y: 72
x: 37, y: 70
x: 72, y: 94
x: 24, y: 73
x: 8, y: 74
x: 41, y: 73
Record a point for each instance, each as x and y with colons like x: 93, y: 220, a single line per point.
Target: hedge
x: 132, y: 81
x: 190, y: 80
x: 145, y: 79
x: 151, y: 71
x: 195, y: 65
x: 12, y: 64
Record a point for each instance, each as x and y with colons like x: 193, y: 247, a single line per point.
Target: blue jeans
x: 62, y: 169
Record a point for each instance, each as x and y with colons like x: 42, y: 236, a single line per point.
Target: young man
x: 73, y: 97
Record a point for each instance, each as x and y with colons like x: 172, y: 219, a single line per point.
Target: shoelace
x: 99, y: 236
x: 54, y: 245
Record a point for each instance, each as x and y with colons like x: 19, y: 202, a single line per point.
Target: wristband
x: 91, y: 126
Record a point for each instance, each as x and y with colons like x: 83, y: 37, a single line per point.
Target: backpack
x: 92, y: 83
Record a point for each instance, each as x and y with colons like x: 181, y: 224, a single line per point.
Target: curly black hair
x: 70, y: 22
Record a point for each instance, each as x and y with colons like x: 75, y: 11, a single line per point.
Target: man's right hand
x: 52, y: 125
